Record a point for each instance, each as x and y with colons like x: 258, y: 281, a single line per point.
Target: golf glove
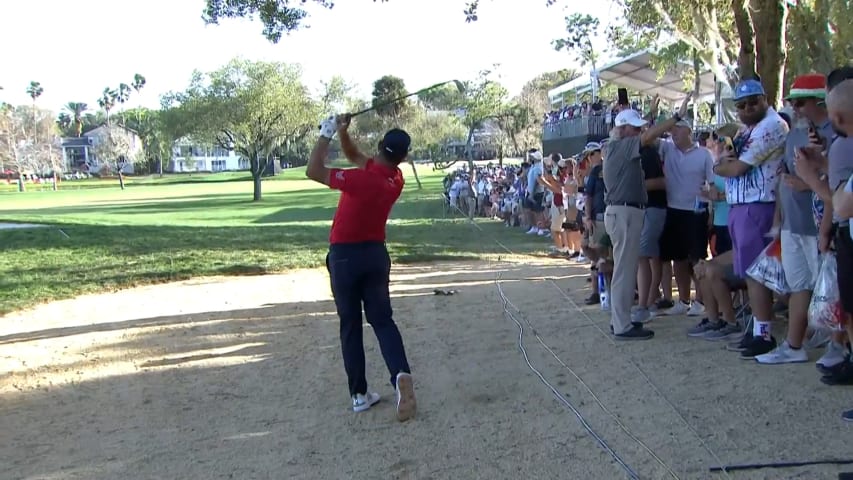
x: 328, y: 127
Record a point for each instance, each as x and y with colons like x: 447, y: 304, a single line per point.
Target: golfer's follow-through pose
x: 358, y: 262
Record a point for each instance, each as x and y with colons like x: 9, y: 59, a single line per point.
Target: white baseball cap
x: 630, y: 117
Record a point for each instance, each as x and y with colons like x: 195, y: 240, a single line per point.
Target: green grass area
x: 182, y: 226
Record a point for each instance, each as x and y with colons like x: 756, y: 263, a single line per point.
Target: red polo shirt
x: 367, y: 195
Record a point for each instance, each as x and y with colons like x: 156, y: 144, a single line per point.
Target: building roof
x: 76, y: 142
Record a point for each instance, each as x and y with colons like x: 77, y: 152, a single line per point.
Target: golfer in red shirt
x: 358, y: 262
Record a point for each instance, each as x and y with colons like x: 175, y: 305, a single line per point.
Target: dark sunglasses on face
x: 751, y: 103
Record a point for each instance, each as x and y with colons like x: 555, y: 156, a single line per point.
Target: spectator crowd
x: 751, y: 220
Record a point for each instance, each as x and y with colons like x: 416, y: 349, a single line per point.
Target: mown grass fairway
x: 180, y: 227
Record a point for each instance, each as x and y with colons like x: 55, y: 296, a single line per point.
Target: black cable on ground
x: 758, y: 466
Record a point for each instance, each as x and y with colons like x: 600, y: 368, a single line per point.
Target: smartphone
x: 623, y: 96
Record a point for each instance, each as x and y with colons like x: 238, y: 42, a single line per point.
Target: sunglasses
x: 753, y: 102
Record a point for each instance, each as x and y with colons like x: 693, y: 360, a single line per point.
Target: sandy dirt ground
x: 241, y: 378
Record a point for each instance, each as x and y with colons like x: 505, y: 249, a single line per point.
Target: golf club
x: 459, y: 86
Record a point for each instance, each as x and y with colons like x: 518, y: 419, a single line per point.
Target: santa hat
x: 812, y: 85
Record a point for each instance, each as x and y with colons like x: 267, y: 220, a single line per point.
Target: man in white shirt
x: 687, y: 167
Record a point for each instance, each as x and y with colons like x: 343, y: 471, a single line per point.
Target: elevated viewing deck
x: 593, y: 126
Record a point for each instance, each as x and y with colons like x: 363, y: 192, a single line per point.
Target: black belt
x: 641, y: 206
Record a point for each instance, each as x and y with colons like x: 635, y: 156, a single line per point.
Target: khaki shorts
x: 558, y: 217
x: 593, y: 239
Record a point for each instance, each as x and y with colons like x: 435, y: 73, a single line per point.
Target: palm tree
x: 34, y: 90
x: 138, y: 82
x: 64, y: 122
x: 108, y: 101
x: 76, y: 111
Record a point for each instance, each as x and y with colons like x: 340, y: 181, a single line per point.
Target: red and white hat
x: 812, y: 85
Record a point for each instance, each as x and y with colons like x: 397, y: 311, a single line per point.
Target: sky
x: 76, y: 49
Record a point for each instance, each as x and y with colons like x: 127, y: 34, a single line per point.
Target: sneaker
x: 544, y: 233
x: 575, y: 254
x: 817, y: 339
x: 361, y: 402
x: 834, y: 355
x: 406, y: 403
x: 680, y: 308
x: 696, y: 309
x: 847, y: 416
x: 593, y: 299
x: 581, y: 259
x: 842, y: 374
x: 533, y: 231
x: 664, y: 304
x: 729, y: 331
x: 741, y: 344
x: 703, y: 327
x: 758, y: 346
x: 783, y: 354
x: 641, y: 315
x: 635, y: 333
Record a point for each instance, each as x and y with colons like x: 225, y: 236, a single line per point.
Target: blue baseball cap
x: 748, y: 88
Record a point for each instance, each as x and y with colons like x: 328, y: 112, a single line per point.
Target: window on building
x: 243, y: 164
x: 199, y: 165
x: 218, y: 165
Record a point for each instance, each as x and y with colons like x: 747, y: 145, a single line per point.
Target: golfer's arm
x: 316, y: 169
x: 351, y: 151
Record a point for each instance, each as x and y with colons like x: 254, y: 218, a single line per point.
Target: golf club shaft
x: 391, y: 102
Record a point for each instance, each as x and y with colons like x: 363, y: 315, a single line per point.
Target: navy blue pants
x: 359, y: 275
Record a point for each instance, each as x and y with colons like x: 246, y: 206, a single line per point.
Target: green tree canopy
x: 253, y: 108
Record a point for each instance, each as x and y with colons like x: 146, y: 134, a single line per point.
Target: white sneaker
x: 696, y: 309
x: 783, y: 354
x: 533, y: 231
x: 680, y: 308
x: 361, y: 402
x: 581, y: 259
x: 406, y: 403
x: 544, y: 233
x: 834, y: 355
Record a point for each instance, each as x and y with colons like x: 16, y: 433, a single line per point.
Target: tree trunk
x: 514, y: 143
x: 501, y: 156
x: 697, y: 86
x: 746, y: 34
x: 469, y: 152
x: 415, y: 171
x: 770, y: 17
x: 120, y: 178
x: 256, y: 186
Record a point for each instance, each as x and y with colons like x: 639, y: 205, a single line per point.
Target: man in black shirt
x: 650, y: 266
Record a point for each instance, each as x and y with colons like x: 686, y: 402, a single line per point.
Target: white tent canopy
x: 635, y: 73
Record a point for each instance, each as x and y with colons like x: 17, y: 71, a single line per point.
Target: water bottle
x: 603, y: 294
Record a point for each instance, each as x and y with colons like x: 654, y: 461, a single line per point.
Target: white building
x: 81, y: 154
x: 190, y: 157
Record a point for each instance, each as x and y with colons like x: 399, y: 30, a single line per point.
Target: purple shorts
x: 748, y: 226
